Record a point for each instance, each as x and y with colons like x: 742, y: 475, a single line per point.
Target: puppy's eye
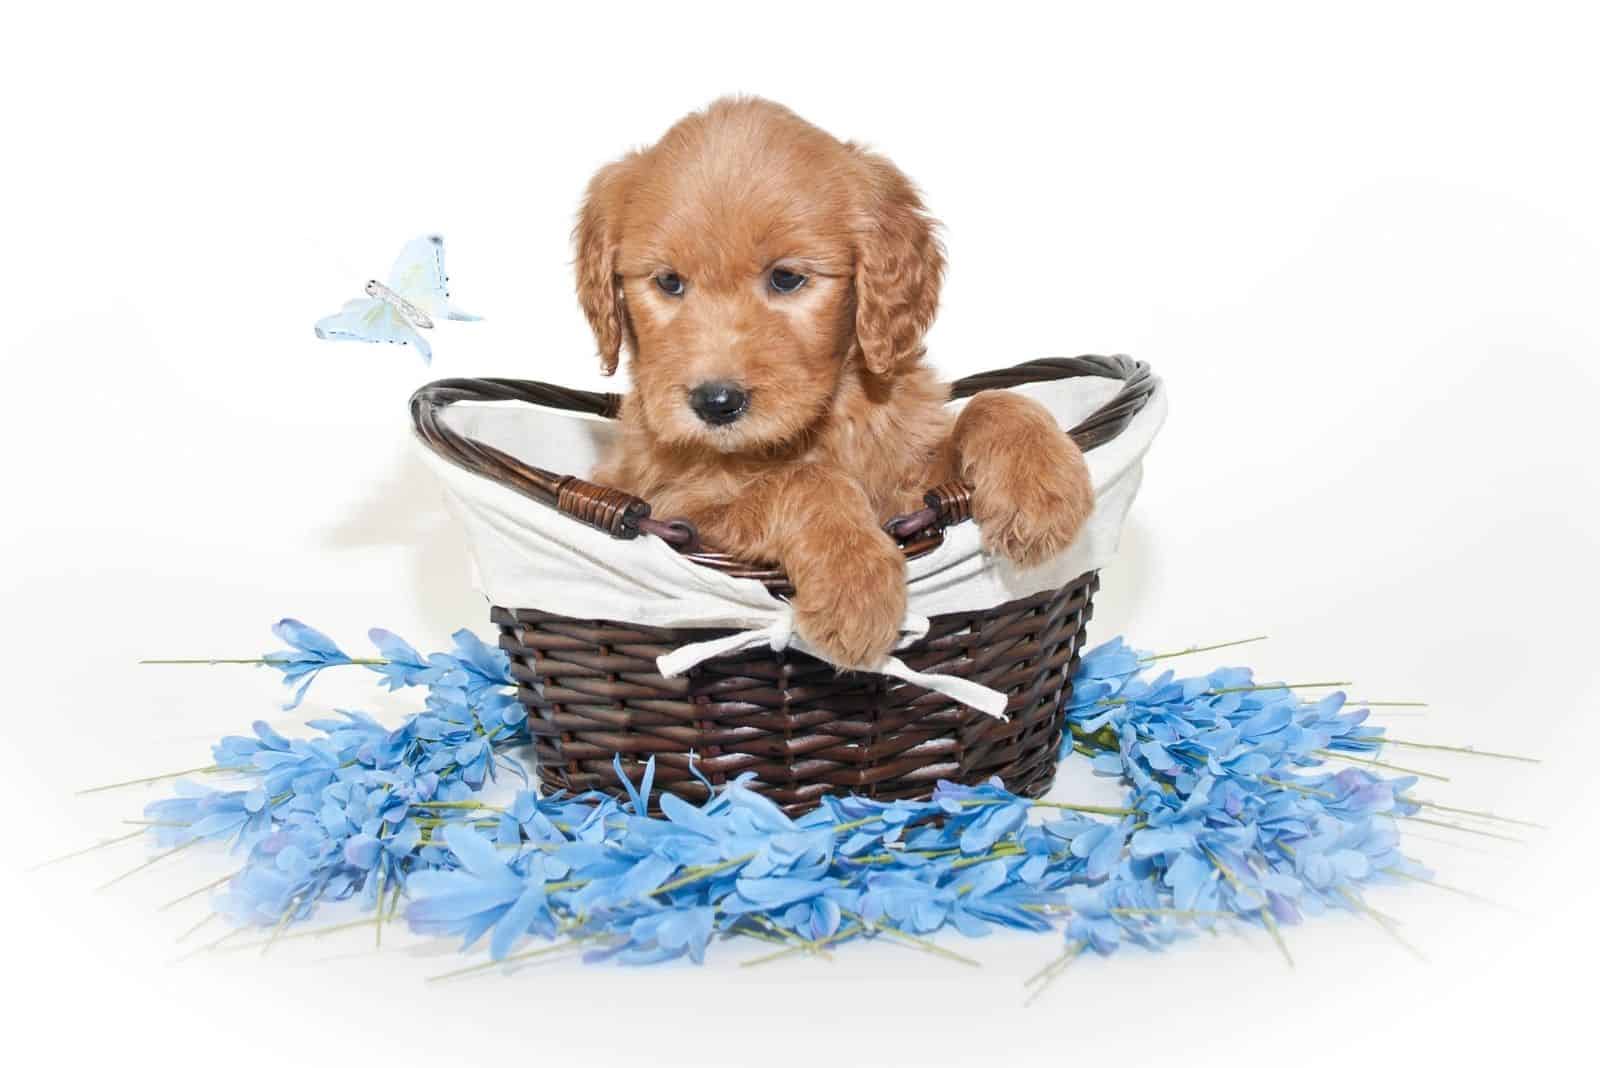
x: 670, y: 284
x: 783, y: 281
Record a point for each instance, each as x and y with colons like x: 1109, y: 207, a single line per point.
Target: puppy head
x: 747, y: 261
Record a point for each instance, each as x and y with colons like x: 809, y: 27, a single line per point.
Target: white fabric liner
x: 528, y: 555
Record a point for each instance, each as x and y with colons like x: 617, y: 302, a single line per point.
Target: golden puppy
x: 772, y: 286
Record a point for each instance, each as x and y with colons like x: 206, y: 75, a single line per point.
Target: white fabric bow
x: 779, y: 635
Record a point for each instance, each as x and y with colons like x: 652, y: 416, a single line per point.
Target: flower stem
x: 1387, y: 924
x: 1201, y: 649
x: 911, y: 939
x: 209, y: 769
x: 1276, y: 686
x: 458, y: 804
x: 153, y: 860
x: 1267, y: 919
x: 207, y: 918
x: 86, y: 850
x: 575, y: 942
x: 1380, y: 764
x: 1183, y: 913
x: 211, y: 660
x: 694, y: 875
x: 198, y: 891
x: 394, y: 902
x: 810, y: 945
x: 1051, y: 972
x: 1098, y: 810
x: 209, y: 946
x: 760, y: 935
x: 1467, y: 749
x: 1464, y: 830
x: 1285, y: 785
x: 316, y: 932
x: 1473, y: 812
x: 1352, y: 702
x: 377, y: 910
x: 1468, y: 894
x: 838, y: 936
x: 283, y: 921
x: 1000, y: 852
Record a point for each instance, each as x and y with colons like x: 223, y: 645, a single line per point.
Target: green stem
x: 1387, y: 924
x: 1464, y: 830
x: 153, y: 860
x: 1380, y: 764
x: 810, y: 945
x: 458, y: 804
x: 1202, y: 649
x: 209, y: 769
x: 198, y: 891
x: 911, y: 939
x: 354, y: 661
x: 838, y: 936
x: 1267, y: 918
x: 209, y: 946
x: 86, y: 850
x: 1098, y: 810
x: 207, y: 918
x: 316, y: 932
x: 1473, y: 812
x: 1282, y: 784
x: 1352, y: 702
x: 1467, y: 749
x: 1468, y: 894
x: 1049, y: 973
x: 694, y: 875
x: 283, y: 921
x: 576, y: 942
x: 1276, y: 686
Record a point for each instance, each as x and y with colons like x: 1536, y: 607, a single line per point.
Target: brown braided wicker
x: 592, y: 689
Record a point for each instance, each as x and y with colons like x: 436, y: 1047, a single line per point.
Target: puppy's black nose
x: 718, y: 403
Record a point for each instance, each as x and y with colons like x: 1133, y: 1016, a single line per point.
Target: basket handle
x: 622, y: 515
x: 951, y: 502
x: 613, y: 511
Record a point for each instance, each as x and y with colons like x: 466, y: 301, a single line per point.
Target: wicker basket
x: 805, y: 729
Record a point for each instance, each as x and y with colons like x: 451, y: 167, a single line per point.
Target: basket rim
x: 623, y: 515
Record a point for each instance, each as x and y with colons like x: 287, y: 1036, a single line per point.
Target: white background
x: 1361, y: 243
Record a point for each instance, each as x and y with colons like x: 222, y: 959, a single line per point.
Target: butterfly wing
x: 419, y: 276
x: 366, y: 319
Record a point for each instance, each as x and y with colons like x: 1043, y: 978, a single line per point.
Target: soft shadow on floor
x: 406, y: 508
x: 1125, y: 585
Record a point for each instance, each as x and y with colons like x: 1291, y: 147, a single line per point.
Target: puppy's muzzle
x: 718, y: 403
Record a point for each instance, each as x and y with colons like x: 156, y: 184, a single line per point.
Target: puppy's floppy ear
x: 899, y: 265
x: 596, y: 238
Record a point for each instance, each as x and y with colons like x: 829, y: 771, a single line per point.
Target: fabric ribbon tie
x: 779, y: 634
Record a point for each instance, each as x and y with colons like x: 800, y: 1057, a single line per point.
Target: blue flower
x: 353, y: 737
x: 666, y: 935
x: 198, y: 812
x: 309, y: 652
x: 406, y: 666
x: 485, y: 666
x: 1232, y: 812
x: 484, y: 893
x: 985, y: 814
x: 386, y: 854
x: 1097, y: 843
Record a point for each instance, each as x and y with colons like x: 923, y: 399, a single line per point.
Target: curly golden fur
x: 786, y: 422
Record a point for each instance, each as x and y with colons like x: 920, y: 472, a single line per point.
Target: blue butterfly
x: 417, y: 293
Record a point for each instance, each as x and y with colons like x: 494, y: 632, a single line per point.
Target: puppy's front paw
x: 850, y: 596
x: 1031, y: 504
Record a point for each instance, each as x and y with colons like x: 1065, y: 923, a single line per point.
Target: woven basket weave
x: 804, y: 728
